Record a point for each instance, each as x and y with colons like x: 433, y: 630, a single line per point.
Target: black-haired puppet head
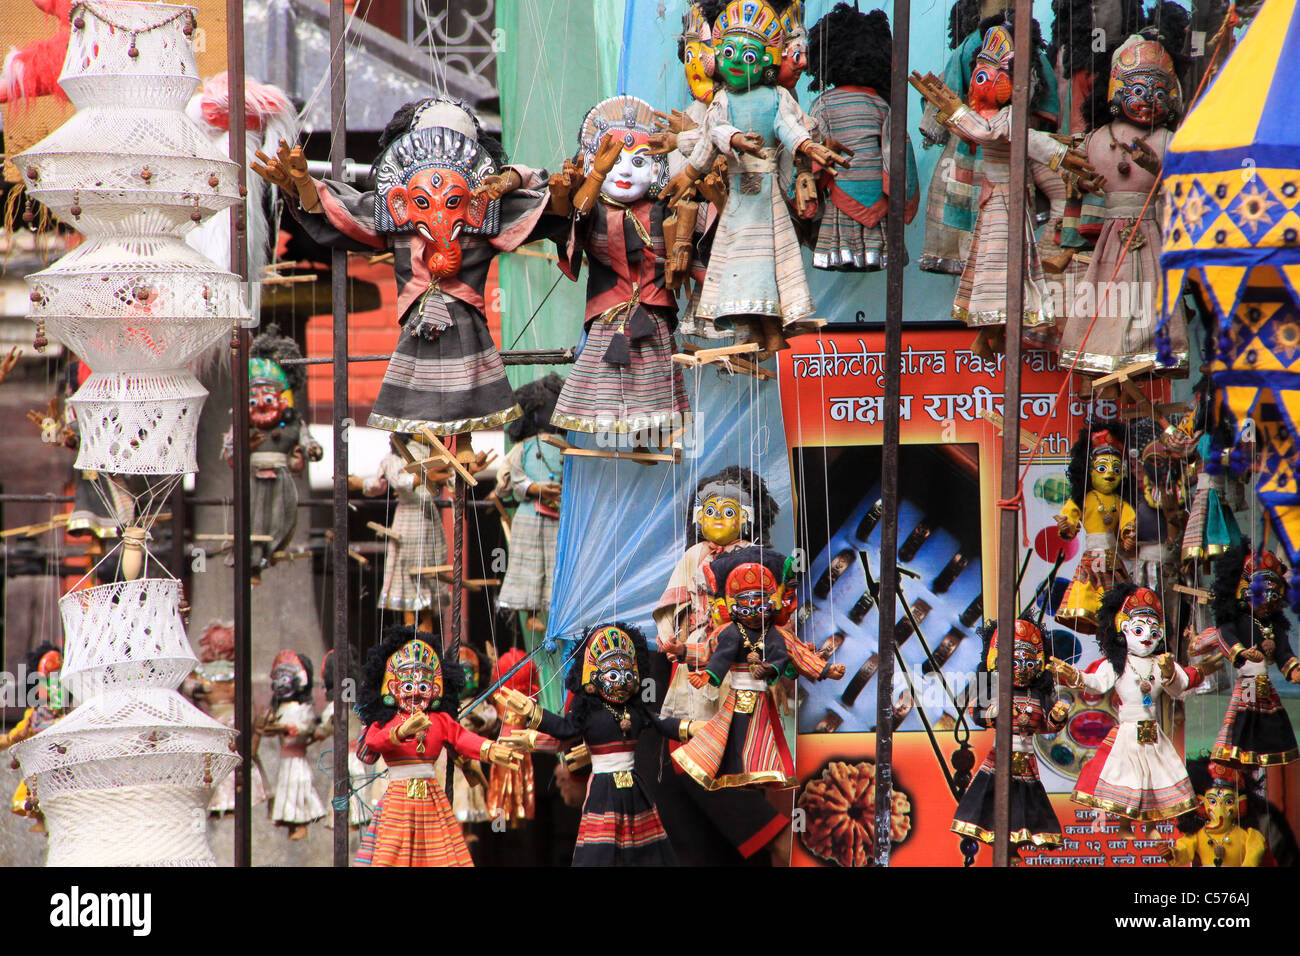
x: 1261, y: 586
x: 537, y: 400
x: 273, y: 386
x: 1096, y: 461
x: 290, y: 677
x: 732, y: 505
x: 848, y: 47
x: 404, y: 673
x: 963, y: 19
x: 327, y: 668
x: 1131, y: 622
x: 614, y: 658
x: 753, y: 584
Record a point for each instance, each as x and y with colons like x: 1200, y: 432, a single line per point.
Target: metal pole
x: 339, y: 294
x: 889, y: 457
x: 1008, y: 527
x: 242, y: 520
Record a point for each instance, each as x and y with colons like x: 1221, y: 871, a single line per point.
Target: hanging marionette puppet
x: 620, y: 826
x: 1252, y: 632
x: 730, y: 510
x: 280, y: 445
x: 1108, y: 522
x: 44, y: 663
x: 295, y: 803
x: 953, y: 199
x: 986, y: 122
x: 755, y: 282
x: 743, y: 744
x: 850, y: 54
x: 212, y: 688
x: 359, y: 812
x: 446, y: 204
x: 1144, y: 102
x: 1036, y: 710
x: 511, y: 791
x: 531, y: 479
x: 1220, y: 840
x: 1136, y: 773
x: 409, y: 700
x: 624, y: 381
x: 1158, y: 521
x: 1212, y: 528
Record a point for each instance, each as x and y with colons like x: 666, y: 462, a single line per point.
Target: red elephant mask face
x: 990, y: 88
x: 438, y: 203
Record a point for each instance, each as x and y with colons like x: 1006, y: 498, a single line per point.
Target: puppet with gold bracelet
x: 409, y: 701
x: 620, y: 825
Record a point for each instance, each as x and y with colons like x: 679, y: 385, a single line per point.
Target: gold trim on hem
x: 412, y: 426
x: 1204, y: 554
x: 747, y: 779
x: 592, y: 426
x: 1098, y: 363
x: 962, y: 828
x: 1030, y: 318
x: 1110, y: 806
x: 1254, y: 759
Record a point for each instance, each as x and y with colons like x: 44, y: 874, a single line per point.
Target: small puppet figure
x: 984, y: 120
x: 359, y: 811
x: 755, y: 282
x: 212, y: 688
x: 415, y: 540
x: 1221, y: 840
x: 279, y: 441
x: 469, y: 783
x: 677, y: 135
x: 1136, y: 773
x: 445, y: 203
x: 953, y: 197
x: 1036, y: 710
x: 1212, y: 528
x: 850, y: 53
x: 743, y: 744
x: 1159, y: 517
x: 1252, y: 631
x: 624, y: 381
x: 531, y: 477
x: 620, y: 825
x: 730, y: 510
x: 511, y: 792
x: 1109, y: 524
x: 1144, y: 102
x: 409, y: 700
x: 293, y: 719
x: 43, y: 664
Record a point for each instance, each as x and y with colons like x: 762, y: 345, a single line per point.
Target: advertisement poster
x: 949, y: 466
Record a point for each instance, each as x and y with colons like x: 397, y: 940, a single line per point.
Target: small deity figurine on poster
x: 212, y: 688
x: 280, y: 445
x: 359, y: 811
x: 1109, y: 524
x: 415, y: 541
x: 1144, y: 102
x: 511, y: 792
x: 624, y: 381
x: 1136, y: 773
x: 531, y: 478
x: 409, y: 699
x: 755, y: 282
x: 743, y: 744
x: 1253, y: 632
x: 1036, y: 711
x: 984, y: 120
x: 1221, y: 840
x: 620, y: 825
x: 45, y: 661
x: 445, y: 203
x: 295, y: 803
x: 730, y: 510
x: 850, y: 56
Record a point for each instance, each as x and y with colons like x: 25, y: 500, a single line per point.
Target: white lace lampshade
x: 139, y: 423
x: 136, y: 303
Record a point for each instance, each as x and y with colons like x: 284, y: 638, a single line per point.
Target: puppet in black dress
x: 624, y: 380
x: 445, y: 204
x: 1036, y: 710
x: 1252, y: 632
x: 743, y: 744
x: 620, y: 825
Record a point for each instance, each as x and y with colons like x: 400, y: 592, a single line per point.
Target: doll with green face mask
x: 755, y: 286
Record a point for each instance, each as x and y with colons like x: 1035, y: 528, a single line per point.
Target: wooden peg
x: 382, y: 531
x: 1202, y: 596
x: 440, y: 452
x: 1028, y: 440
x: 431, y: 570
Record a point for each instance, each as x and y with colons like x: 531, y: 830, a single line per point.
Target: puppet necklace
x: 624, y: 718
x: 1123, y: 165
x: 1144, y: 685
x: 755, y: 648
x: 1107, y: 514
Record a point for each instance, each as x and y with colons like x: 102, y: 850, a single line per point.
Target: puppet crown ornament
x: 990, y: 79
x: 1263, y: 582
x: 1027, y: 650
x: 609, y: 664
x: 1143, y: 83
x: 747, y: 40
x: 413, y: 677
x: 423, y: 181
x: 630, y: 120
